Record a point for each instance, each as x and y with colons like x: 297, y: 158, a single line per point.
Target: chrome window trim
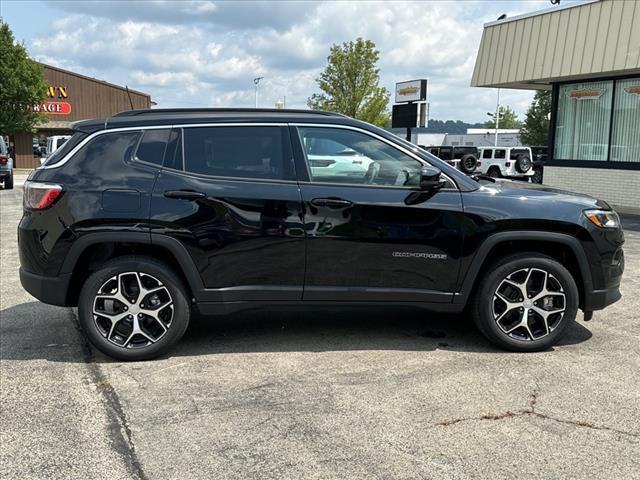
x: 202, y: 176
x: 90, y: 137
x: 378, y: 137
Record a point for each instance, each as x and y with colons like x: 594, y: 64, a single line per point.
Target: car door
x: 371, y: 234
x: 228, y: 194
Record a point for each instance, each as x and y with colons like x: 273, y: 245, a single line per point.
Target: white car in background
x: 54, y: 142
x: 507, y: 162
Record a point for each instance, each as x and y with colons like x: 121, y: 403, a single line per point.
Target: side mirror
x: 430, y: 178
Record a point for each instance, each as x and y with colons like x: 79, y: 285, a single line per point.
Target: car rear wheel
x: 537, y: 175
x: 134, y: 308
x: 494, y: 172
x: 8, y: 182
x: 525, y: 302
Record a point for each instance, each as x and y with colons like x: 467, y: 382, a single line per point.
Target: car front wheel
x: 134, y: 308
x: 525, y: 302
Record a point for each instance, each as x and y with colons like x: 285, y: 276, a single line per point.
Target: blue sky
x: 206, y: 53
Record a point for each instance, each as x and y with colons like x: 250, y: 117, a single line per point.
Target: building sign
x: 412, y: 91
x: 53, y: 108
x: 633, y: 90
x: 59, y: 92
x: 585, y: 93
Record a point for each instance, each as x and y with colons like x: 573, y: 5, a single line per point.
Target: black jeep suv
x: 141, y: 218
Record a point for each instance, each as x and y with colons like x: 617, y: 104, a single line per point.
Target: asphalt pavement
x: 354, y: 394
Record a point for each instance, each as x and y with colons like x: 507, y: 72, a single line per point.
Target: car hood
x: 541, y: 194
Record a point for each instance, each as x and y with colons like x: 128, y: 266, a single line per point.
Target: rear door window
x: 173, y: 156
x: 499, y: 153
x: 259, y: 152
x: 152, y: 146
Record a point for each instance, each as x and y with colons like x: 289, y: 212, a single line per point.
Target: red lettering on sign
x: 53, y: 108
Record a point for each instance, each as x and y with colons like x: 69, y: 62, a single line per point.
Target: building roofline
x: 539, y: 12
x: 92, y: 79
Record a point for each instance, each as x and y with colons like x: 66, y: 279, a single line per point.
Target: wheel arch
x: 562, y: 247
x: 93, y: 250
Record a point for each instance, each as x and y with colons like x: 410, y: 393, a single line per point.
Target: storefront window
x: 625, y: 139
x: 582, y: 124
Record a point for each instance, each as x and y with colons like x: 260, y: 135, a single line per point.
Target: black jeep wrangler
x: 142, y: 218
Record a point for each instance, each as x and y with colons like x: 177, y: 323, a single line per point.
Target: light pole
x: 256, y: 81
x: 495, y: 144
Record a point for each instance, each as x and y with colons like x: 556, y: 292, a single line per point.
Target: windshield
x: 61, y: 152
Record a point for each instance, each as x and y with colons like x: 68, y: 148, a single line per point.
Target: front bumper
x: 51, y: 290
x: 599, y: 299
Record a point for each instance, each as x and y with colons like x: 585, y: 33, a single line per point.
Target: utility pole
x: 256, y: 81
x: 495, y: 144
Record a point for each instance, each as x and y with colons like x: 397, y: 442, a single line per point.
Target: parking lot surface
x: 375, y: 394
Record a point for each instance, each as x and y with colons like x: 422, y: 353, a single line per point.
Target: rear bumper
x: 5, y: 173
x: 51, y: 290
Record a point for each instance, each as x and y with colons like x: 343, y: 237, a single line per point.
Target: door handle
x: 331, y: 202
x: 184, y: 194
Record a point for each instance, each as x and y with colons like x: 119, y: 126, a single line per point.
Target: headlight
x: 603, y: 218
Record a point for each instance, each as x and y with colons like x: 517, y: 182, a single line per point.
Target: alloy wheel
x: 528, y: 304
x: 133, y: 310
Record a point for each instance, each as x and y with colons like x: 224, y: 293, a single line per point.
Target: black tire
x: 537, y: 175
x: 468, y: 163
x: 146, y: 266
x: 485, y: 302
x: 8, y: 182
x: 523, y: 164
x: 494, y: 172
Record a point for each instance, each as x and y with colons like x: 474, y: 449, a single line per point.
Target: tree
x: 349, y: 83
x: 22, y: 85
x: 535, y: 130
x: 508, y: 119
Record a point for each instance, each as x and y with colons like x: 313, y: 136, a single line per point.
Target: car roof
x: 181, y: 116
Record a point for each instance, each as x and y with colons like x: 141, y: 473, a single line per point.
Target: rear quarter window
x: 105, y: 152
x: 69, y: 145
x: 516, y: 152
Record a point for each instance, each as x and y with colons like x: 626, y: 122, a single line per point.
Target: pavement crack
x: 118, y: 426
x: 531, y: 411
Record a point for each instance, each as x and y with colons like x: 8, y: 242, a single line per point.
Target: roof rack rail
x: 155, y: 111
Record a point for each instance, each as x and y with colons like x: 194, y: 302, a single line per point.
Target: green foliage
x: 22, y: 85
x: 349, y: 83
x: 535, y: 130
x: 454, y: 127
x: 508, y: 119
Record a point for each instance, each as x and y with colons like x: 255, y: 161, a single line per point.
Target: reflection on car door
x: 233, y: 201
x: 364, y: 242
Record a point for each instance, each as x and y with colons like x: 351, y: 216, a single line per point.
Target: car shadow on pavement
x: 262, y: 331
x: 276, y: 331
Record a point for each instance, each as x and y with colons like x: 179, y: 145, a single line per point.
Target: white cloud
x: 207, y: 53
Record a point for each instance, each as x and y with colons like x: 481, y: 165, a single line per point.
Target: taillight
x: 479, y: 163
x: 4, y: 160
x: 38, y: 196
